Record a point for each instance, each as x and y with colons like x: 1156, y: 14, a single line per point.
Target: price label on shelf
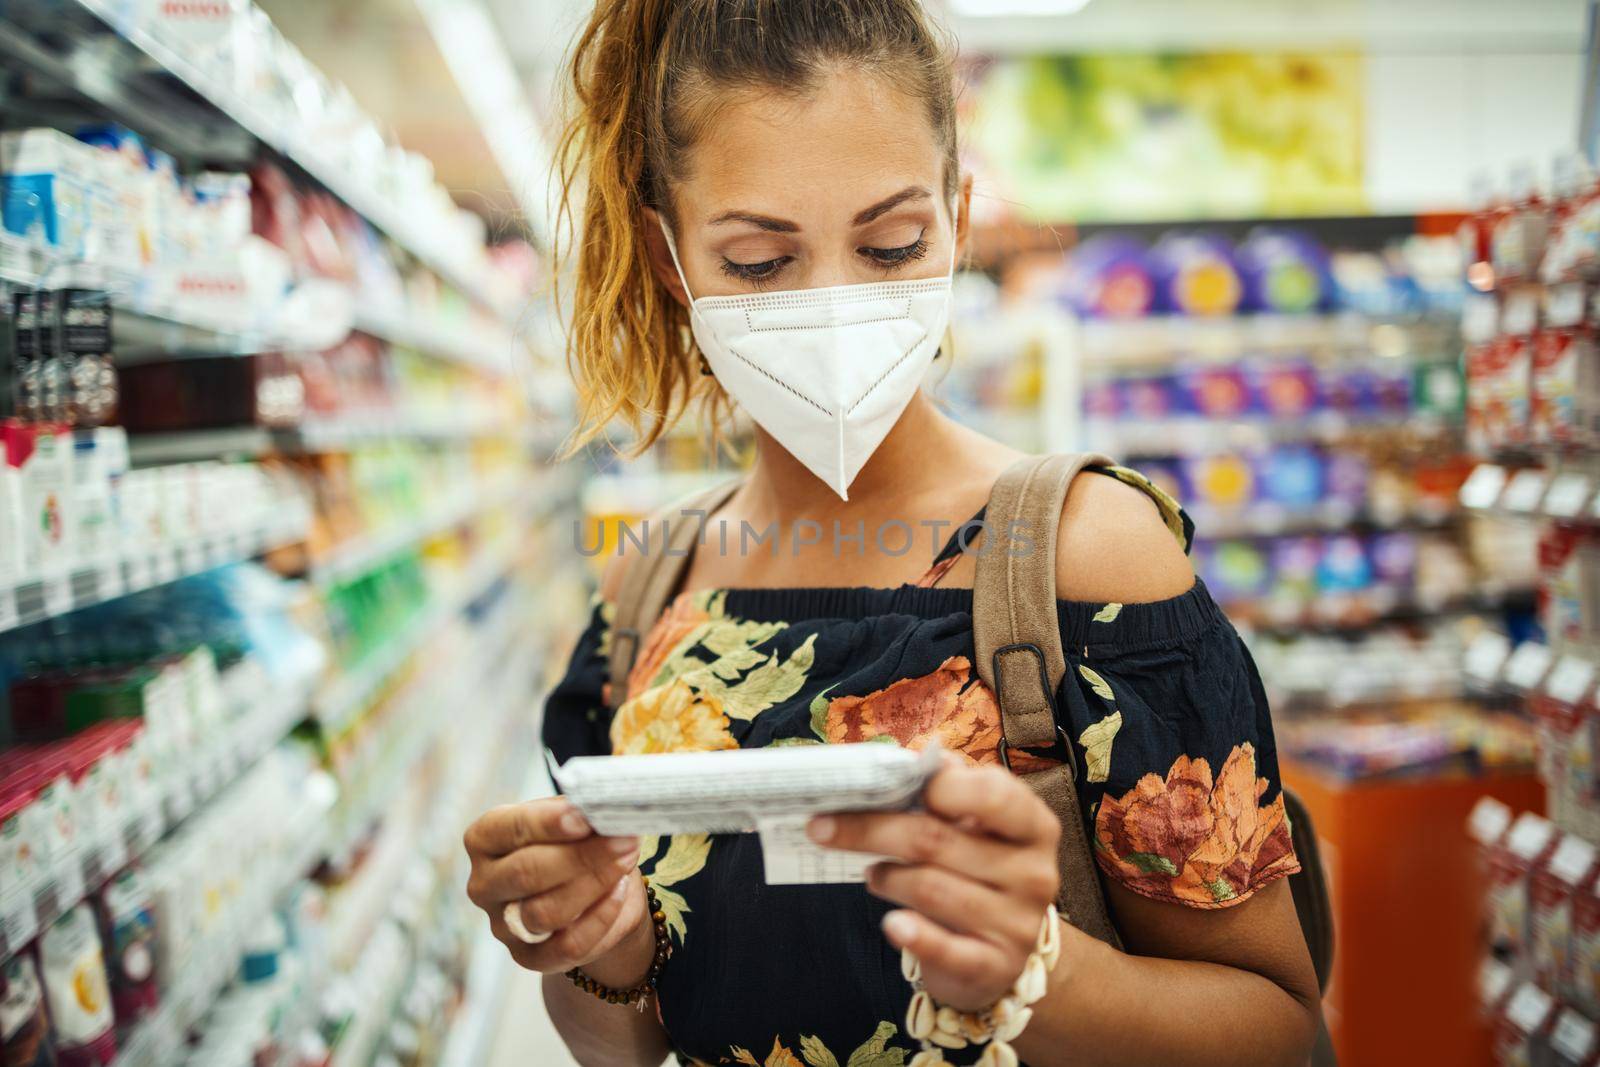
x: 1569, y: 492
x: 1573, y: 1037
x: 58, y: 594
x: 1487, y: 655
x: 110, y: 581
x: 1524, y: 491
x: 1528, y: 665
x: 1483, y: 486
x: 19, y: 919
x: 140, y: 572
x: 1529, y: 1007
x: 164, y: 565
x: 1570, y: 679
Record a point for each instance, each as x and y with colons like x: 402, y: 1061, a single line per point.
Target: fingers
x: 923, y: 839
x: 587, y: 868
x: 962, y: 972
x: 961, y: 905
x: 995, y: 799
x: 577, y: 940
x: 561, y: 906
x: 501, y: 831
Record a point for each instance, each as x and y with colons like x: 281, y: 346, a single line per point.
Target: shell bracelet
x: 939, y: 1028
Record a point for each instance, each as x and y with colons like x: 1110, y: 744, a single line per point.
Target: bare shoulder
x: 1114, y: 546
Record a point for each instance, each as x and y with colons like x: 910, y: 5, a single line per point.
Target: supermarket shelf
x: 1365, y: 610
x: 1182, y: 434
x: 488, y: 352
x: 57, y: 594
x: 337, y: 707
x: 148, y: 450
x: 487, y: 987
x: 368, y: 202
x: 365, y: 554
x: 1220, y: 524
x: 1566, y: 495
x: 158, y: 1040
x: 27, y: 909
x: 141, y: 326
x: 1163, y: 340
x: 222, y: 122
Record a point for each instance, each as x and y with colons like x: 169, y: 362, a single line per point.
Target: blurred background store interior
x: 284, y: 393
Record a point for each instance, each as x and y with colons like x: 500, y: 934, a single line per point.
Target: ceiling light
x: 1016, y: 8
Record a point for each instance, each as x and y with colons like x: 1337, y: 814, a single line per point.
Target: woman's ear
x: 963, y: 218
x: 655, y: 243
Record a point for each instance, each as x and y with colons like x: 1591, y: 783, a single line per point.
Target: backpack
x: 1019, y: 657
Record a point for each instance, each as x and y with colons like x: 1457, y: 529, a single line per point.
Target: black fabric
x: 1169, y: 731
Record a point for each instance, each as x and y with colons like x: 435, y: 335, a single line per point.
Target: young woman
x: 740, y: 161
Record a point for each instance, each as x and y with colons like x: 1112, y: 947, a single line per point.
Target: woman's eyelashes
x: 887, y: 259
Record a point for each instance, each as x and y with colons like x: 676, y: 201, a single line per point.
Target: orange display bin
x: 1407, y: 904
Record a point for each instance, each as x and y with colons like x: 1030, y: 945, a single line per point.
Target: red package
x: 1523, y: 1023
x: 1581, y: 983
x: 1509, y: 861
x: 1571, y: 867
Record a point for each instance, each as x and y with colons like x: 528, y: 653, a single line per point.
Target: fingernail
x: 574, y: 823
x: 822, y: 828
x: 621, y: 846
x: 899, y: 927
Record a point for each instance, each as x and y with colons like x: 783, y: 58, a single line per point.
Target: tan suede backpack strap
x: 654, y: 576
x: 1017, y: 639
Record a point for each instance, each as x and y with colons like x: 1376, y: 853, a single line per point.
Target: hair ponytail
x: 635, y: 67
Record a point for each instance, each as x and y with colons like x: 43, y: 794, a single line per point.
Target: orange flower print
x: 670, y: 718
x: 685, y: 614
x: 1194, y: 839
x: 949, y: 705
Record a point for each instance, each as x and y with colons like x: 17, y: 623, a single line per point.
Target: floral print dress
x: 1171, y: 740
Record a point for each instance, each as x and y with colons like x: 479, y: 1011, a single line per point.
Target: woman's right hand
x: 581, y: 889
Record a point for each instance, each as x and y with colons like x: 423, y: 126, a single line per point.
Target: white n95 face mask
x: 827, y: 372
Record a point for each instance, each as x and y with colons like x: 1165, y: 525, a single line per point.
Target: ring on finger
x: 519, y: 929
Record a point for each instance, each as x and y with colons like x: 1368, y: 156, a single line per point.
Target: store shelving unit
x: 136, y: 569
x: 259, y: 724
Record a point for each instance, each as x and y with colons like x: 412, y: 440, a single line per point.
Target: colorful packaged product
x: 1216, y: 392
x: 1195, y: 274
x: 1573, y: 1040
x: 1109, y: 278
x: 1285, y: 390
x: 128, y: 930
x: 1221, y: 481
x: 24, y: 1023
x: 1290, y: 478
x: 1522, y: 1026
x: 74, y: 974
x: 1284, y: 272
x: 1552, y: 889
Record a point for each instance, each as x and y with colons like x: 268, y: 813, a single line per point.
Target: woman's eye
x: 754, y: 272
x: 894, y: 257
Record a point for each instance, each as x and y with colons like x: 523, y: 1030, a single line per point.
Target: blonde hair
x: 643, y: 74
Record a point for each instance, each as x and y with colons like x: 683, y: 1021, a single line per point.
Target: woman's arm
x: 1226, y: 988
x: 609, y: 1035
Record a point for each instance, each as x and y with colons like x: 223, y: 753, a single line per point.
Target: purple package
x: 1294, y: 563
x: 1285, y: 272
x: 1392, y: 385
x: 1217, y: 392
x: 1285, y: 390
x: 1345, y: 479
x: 1195, y: 274
x: 1148, y: 398
x: 1351, y: 391
x: 1394, y: 558
x: 1108, y: 277
x: 1103, y: 399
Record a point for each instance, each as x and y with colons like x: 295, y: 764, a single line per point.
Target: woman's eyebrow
x: 889, y: 203
x: 765, y: 222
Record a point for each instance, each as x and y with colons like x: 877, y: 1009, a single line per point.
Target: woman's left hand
x: 974, y: 872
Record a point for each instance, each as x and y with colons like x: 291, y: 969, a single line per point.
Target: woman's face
x: 837, y: 186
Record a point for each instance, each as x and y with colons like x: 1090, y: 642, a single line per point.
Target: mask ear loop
x: 672, y: 247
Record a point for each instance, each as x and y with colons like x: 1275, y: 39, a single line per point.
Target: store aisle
x: 524, y: 1036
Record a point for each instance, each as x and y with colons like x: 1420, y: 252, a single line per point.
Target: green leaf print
x: 819, y: 713
x: 1108, y: 613
x: 1221, y: 890
x: 1096, y: 741
x: 1150, y: 863
x: 1097, y: 683
x: 873, y: 1054
x: 790, y: 742
x: 815, y: 1053
x: 773, y: 682
x: 674, y: 907
x: 685, y: 857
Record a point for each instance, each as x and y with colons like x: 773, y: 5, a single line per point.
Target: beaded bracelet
x: 937, y: 1028
x: 639, y: 993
